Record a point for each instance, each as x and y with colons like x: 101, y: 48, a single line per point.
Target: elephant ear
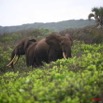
x: 32, y: 40
x: 69, y: 38
x: 53, y: 39
x: 28, y: 42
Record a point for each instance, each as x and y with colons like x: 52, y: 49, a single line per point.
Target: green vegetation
x: 87, y: 34
x: 74, y: 80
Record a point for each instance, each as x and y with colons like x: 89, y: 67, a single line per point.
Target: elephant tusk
x: 64, y: 55
x: 11, y: 61
x: 16, y: 60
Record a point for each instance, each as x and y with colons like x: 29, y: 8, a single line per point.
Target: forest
x: 74, y: 80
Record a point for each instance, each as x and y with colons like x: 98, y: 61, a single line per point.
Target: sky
x: 18, y: 12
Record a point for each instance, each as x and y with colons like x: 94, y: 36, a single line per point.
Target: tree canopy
x: 97, y: 13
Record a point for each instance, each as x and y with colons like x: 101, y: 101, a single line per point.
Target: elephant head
x: 60, y: 45
x: 65, y: 44
x: 70, y: 38
x: 19, y: 50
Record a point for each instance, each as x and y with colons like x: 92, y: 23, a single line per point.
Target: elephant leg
x: 34, y: 62
x: 39, y: 62
x: 27, y: 60
x: 41, y: 57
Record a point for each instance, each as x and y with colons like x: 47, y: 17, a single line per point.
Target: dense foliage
x: 74, y: 80
x: 87, y: 34
x: 98, y: 15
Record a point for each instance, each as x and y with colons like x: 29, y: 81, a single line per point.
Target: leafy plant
x: 73, y: 80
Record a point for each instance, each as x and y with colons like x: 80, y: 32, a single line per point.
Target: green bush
x: 73, y: 80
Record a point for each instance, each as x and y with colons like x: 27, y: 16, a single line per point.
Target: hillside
x: 55, y: 26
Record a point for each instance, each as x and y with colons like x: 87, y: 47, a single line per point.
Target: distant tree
x: 97, y: 13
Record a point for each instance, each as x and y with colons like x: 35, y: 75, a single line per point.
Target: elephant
x: 19, y: 50
x: 37, y: 53
x: 48, y: 49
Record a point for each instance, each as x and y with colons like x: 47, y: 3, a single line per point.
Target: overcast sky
x: 17, y: 12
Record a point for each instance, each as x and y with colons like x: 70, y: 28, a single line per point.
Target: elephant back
x: 53, y: 39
